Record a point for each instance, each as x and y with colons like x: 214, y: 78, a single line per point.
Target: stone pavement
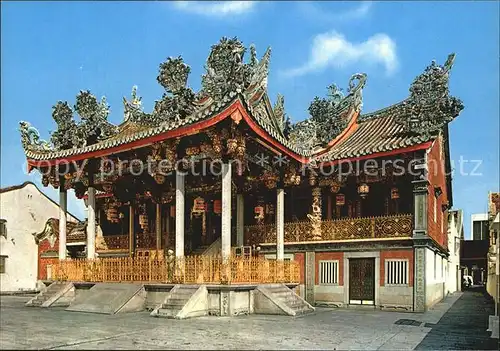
x: 341, y: 329
x: 463, y: 326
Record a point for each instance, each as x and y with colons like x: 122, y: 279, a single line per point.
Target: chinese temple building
x: 352, y: 206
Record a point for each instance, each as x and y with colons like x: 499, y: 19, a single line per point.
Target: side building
x: 24, y: 211
x: 455, y: 237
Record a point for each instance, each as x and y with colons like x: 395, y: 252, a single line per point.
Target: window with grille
x: 328, y: 272
x: 3, y: 228
x: 396, y: 272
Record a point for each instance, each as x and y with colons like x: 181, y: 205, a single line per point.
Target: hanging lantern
x: 143, y: 221
x: 259, y: 212
x: 45, y: 180
x: 112, y: 215
x: 363, y: 190
x: 199, y: 205
x: 217, y: 206
x: 159, y: 178
x: 335, y: 187
x: 68, y: 176
x: 107, y: 187
x: 394, y: 193
x: 312, y: 179
x: 340, y: 200
x: 231, y: 145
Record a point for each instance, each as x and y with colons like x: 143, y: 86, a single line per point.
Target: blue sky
x: 51, y: 50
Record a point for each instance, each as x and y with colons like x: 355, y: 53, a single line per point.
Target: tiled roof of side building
x: 374, y: 133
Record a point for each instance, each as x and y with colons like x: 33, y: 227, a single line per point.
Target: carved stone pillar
x: 226, y: 211
x: 131, y: 230
x: 310, y: 276
x: 158, y: 226
x: 240, y: 219
x: 280, y: 224
x: 179, y: 214
x: 420, y: 192
x: 419, y: 281
x: 91, y: 224
x: 315, y: 215
x: 63, y: 201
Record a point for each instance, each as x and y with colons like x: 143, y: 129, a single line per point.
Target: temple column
x: 280, y: 224
x: 420, y: 237
x: 315, y: 215
x: 179, y: 214
x: 131, y: 230
x: 158, y: 226
x: 240, y: 219
x: 226, y: 211
x: 91, y: 224
x: 63, y: 201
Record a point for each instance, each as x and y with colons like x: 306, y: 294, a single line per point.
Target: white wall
x: 453, y: 273
x: 435, y: 277
x: 26, y: 211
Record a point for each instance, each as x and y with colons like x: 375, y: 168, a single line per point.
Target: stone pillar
x: 63, y: 201
x: 158, y: 226
x: 91, y: 224
x: 420, y: 192
x: 131, y: 230
x: 280, y: 224
x: 315, y: 215
x: 226, y: 211
x: 240, y: 219
x: 179, y: 214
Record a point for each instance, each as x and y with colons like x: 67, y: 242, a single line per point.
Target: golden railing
x: 338, y: 229
x: 190, y: 269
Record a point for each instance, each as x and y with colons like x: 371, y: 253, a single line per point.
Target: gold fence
x: 190, y: 269
x: 337, y: 229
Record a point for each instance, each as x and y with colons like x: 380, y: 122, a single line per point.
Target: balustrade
x: 337, y: 229
x: 190, y: 269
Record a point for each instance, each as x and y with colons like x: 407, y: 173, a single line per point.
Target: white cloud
x: 312, y: 10
x: 333, y: 49
x: 215, y: 8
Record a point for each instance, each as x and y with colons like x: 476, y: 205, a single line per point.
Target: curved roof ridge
x: 381, y: 112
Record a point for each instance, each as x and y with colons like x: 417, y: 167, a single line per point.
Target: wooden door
x: 362, y: 281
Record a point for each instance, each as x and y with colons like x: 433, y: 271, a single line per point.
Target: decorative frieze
x: 398, y: 226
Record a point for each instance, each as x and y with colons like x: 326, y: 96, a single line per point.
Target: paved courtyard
x: 341, y: 329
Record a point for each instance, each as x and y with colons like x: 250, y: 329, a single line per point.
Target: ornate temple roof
x: 335, y: 129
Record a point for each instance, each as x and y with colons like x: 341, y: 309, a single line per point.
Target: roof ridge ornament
x: 30, y: 138
x: 133, y: 110
x: 430, y: 106
x: 178, y: 101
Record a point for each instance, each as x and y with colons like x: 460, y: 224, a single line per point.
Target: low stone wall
x: 230, y: 300
x: 330, y: 295
x: 396, y: 297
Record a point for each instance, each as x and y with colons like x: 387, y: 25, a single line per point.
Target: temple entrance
x: 362, y: 281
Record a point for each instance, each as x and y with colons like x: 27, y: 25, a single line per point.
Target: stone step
x: 175, y: 302
x: 167, y: 312
x: 184, y: 292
